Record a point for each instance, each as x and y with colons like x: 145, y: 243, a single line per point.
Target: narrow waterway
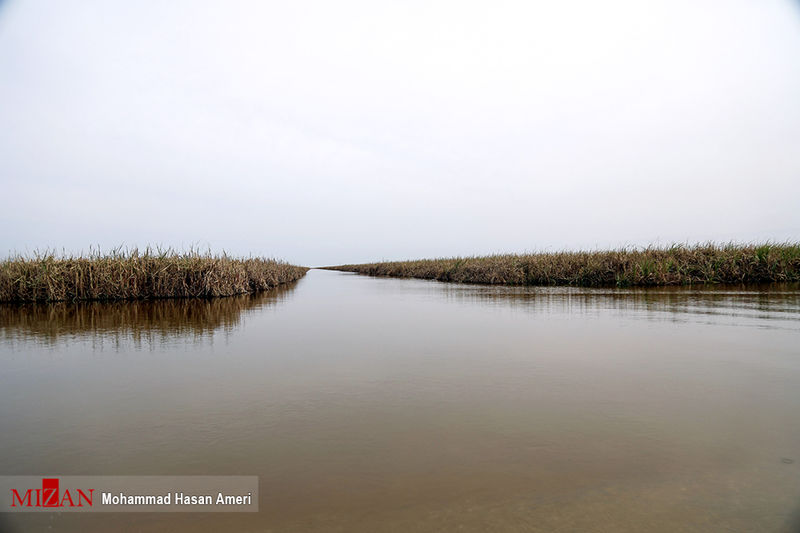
x: 368, y: 404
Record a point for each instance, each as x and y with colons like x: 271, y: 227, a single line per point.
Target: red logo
x: 50, y: 496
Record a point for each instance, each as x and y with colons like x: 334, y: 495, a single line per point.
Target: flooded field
x: 376, y: 404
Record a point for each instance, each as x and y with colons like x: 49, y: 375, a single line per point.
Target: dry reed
x: 675, y: 265
x: 134, y: 275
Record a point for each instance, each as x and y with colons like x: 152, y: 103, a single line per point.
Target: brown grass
x: 134, y: 275
x: 675, y: 265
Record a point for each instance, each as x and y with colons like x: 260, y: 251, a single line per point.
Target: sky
x: 338, y: 132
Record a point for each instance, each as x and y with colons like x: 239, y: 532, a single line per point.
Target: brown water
x: 371, y: 404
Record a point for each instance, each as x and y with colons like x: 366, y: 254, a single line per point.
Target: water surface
x: 369, y: 404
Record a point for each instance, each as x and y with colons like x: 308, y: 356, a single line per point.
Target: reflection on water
x: 138, y: 322
x: 771, y: 306
x: 373, y: 404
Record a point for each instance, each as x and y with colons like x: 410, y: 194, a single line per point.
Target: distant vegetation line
x: 134, y: 275
x: 674, y: 265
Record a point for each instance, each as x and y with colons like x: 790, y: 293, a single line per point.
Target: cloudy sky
x: 329, y: 132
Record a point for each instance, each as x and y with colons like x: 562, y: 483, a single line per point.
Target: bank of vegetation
x: 135, y: 275
x: 674, y: 265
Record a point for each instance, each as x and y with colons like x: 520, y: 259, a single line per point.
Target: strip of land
x: 674, y: 265
x: 131, y: 275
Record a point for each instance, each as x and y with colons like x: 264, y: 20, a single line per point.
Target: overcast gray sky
x: 329, y: 132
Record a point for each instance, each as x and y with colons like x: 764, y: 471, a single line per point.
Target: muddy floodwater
x: 371, y: 405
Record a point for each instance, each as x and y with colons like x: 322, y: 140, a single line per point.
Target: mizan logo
x: 50, y: 496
